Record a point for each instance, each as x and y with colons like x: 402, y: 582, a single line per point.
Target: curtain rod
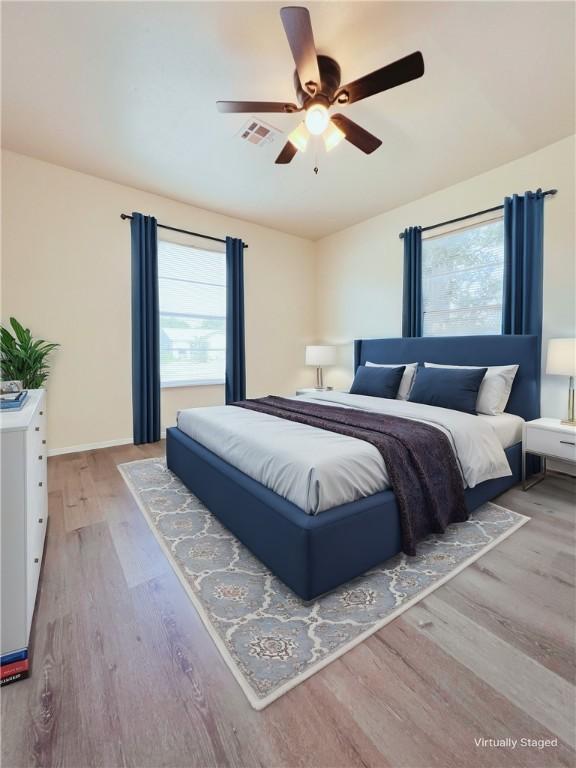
x: 185, y: 231
x: 471, y: 215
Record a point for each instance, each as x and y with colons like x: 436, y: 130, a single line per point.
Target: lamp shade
x: 561, y: 357
x: 320, y: 355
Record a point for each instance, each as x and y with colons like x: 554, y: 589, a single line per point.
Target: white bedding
x: 507, y: 426
x: 317, y: 469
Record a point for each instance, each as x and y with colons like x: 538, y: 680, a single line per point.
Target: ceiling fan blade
x: 298, y: 28
x: 356, y: 135
x: 399, y: 72
x: 287, y: 153
x: 257, y: 106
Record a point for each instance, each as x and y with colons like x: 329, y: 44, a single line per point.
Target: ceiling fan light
x: 299, y: 137
x: 317, y: 119
x: 332, y: 136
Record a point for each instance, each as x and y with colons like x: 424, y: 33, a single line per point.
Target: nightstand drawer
x: 551, y: 443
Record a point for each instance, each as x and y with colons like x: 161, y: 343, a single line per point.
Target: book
x: 8, y: 658
x: 13, y: 678
x: 7, y: 670
x: 14, y: 405
x: 10, y: 396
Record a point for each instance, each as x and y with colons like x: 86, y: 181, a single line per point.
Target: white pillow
x: 495, y: 387
x: 406, y: 380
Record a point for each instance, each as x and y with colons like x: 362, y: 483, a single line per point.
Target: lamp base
x: 323, y: 389
x: 571, y: 420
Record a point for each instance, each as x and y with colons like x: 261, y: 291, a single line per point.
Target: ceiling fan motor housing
x: 330, y: 82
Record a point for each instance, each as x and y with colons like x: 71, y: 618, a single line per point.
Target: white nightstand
x: 548, y: 438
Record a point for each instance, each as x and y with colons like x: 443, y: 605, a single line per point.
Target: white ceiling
x: 127, y: 91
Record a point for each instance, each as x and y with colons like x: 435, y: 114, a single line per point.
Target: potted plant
x: 22, y: 357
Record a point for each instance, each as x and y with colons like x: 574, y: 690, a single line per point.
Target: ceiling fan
x: 317, y: 83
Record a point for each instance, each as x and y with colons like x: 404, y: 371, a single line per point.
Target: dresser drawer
x: 35, y: 534
x: 551, y: 443
x: 32, y: 575
x: 36, y: 477
x: 38, y: 468
x: 36, y: 519
x: 38, y: 429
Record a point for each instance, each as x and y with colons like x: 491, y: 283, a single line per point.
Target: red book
x: 12, y: 669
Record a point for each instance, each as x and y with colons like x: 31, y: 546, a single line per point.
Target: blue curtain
x: 412, y: 303
x: 145, y: 330
x: 523, y: 273
x: 235, y: 353
x: 523, y: 264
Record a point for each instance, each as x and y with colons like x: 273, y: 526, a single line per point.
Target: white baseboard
x: 95, y: 446
x: 89, y: 446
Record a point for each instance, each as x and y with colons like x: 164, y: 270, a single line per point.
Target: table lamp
x: 562, y: 362
x: 319, y: 356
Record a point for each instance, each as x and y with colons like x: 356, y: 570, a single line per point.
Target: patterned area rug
x: 269, y: 638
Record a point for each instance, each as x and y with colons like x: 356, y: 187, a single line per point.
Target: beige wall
x: 359, y: 273
x: 66, y: 275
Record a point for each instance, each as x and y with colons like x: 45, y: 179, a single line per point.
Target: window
x: 462, y: 281
x: 192, y: 287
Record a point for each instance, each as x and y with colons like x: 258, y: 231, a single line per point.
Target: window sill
x: 203, y: 383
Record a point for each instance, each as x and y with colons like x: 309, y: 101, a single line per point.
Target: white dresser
x: 24, y: 513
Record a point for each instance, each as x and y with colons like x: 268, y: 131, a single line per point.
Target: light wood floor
x: 124, y: 673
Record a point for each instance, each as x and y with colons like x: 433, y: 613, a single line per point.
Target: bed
x: 314, y: 553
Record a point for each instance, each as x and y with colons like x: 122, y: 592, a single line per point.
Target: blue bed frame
x: 314, y: 554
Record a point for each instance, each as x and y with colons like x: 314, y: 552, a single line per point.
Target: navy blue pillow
x: 447, y: 388
x: 377, y: 382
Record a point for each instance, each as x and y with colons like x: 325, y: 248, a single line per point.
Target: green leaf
x: 22, y: 334
x: 22, y: 357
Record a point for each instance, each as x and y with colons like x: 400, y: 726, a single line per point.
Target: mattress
x: 317, y: 469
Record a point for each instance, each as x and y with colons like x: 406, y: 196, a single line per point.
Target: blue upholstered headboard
x: 467, y: 350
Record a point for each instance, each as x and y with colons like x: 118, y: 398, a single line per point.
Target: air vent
x: 258, y: 133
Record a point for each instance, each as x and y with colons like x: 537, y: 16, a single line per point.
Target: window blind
x: 192, y: 288
x: 462, y: 281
